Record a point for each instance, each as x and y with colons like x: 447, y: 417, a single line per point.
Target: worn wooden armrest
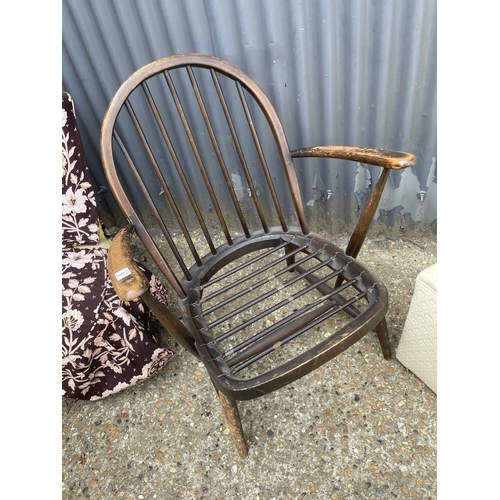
x: 127, y: 279
x: 385, y: 158
x: 130, y: 283
x: 381, y: 157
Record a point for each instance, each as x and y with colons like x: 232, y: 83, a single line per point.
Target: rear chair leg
x: 383, y: 337
x: 290, y: 260
x: 234, y: 421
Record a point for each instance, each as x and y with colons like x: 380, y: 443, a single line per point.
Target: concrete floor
x: 358, y: 427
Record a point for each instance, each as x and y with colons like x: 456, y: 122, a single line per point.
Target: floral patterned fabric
x: 106, y: 342
x: 79, y: 211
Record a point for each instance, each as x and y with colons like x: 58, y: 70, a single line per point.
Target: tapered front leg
x: 234, y: 421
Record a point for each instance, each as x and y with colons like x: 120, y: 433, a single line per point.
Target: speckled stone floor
x: 358, y: 427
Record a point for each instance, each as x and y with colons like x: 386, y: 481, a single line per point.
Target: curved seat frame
x: 224, y: 368
x: 237, y: 293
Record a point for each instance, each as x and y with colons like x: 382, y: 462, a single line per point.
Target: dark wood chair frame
x: 299, y: 244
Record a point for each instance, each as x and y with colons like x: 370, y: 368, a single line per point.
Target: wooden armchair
x: 199, y: 162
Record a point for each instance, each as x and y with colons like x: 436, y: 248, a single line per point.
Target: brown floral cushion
x: 107, y: 345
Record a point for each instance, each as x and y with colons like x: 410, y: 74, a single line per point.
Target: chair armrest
x: 130, y: 283
x: 127, y: 279
x: 386, y: 158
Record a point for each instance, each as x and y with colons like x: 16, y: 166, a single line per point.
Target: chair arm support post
x: 171, y: 323
x: 385, y: 158
x: 365, y: 219
x: 128, y: 280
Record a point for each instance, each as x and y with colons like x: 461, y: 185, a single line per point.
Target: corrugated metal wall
x: 356, y: 72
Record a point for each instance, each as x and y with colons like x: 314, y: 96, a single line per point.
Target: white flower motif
x: 72, y: 319
x: 77, y: 259
x: 124, y: 315
x: 74, y: 203
x: 64, y: 117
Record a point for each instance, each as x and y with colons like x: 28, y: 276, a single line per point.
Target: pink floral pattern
x: 106, y: 342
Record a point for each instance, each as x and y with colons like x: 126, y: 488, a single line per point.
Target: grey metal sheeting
x: 338, y: 73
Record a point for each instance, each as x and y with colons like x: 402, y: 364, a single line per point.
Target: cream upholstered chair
x: 417, y: 349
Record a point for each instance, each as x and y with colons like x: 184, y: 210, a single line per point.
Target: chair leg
x: 383, y: 337
x: 290, y: 260
x: 234, y: 421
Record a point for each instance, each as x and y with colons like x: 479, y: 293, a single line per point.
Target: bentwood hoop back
x: 199, y: 163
